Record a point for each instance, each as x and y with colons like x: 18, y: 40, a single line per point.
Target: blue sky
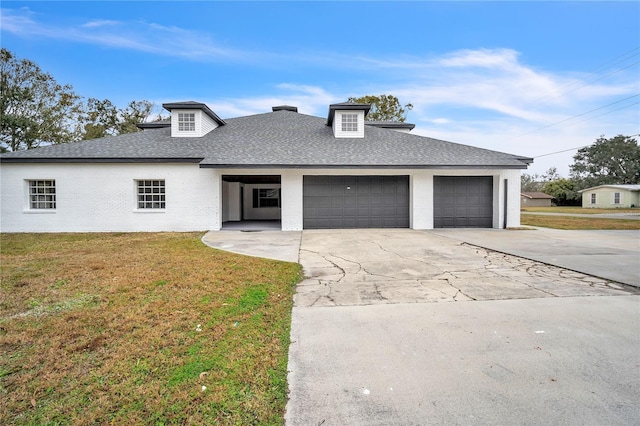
x: 529, y: 78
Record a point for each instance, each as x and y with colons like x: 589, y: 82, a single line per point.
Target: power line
x: 559, y: 152
x: 572, y: 149
x: 608, y: 112
x: 596, y: 71
x: 580, y: 115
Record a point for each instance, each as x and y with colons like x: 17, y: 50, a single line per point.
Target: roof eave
x: 206, y: 165
x: 99, y: 160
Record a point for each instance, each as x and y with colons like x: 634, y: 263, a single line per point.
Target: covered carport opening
x: 339, y: 202
x: 463, y: 201
x: 251, y: 202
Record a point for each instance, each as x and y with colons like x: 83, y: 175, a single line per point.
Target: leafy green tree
x: 103, y: 118
x: 384, y: 107
x: 34, y: 107
x: 564, y: 192
x: 607, y: 161
x: 136, y: 112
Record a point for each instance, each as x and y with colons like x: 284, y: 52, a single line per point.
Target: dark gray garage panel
x: 332, y: 202
x: 463, y: 201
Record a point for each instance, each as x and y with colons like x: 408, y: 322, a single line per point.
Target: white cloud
x: 100, y: 23
x: 132, y: 35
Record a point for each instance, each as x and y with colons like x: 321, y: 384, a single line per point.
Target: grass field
x: 577, y: 210
x: 140, y: 329
x: 569, y: 222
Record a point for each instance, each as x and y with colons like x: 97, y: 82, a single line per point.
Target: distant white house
x: 197, y: 171
x: 611, y: 196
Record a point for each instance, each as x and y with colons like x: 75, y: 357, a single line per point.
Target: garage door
x: 356, y: 202
x: 463, y: 202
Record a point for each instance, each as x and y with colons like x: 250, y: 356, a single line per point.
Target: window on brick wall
x: 42, y: 194
x: 186, y: 122
x: 151, y: 194
x: 349, y: 122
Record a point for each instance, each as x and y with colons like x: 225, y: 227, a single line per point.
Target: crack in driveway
x: 414, y: 267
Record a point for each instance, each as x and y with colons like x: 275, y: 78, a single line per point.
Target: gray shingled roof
x: 281, y: 138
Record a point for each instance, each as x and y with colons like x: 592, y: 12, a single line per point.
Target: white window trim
x: 349, y: 123
x: 137, y: 194
x: 28, y: 207
x: 593, y: 199
x: 187, y: 119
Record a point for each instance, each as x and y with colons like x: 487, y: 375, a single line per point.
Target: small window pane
x: 42, y: 194
x: 349, y: 122
x: 266, y: 197
x: 186, y: 122
x: 151, y: 194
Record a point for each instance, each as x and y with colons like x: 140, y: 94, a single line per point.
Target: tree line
x: 612, y: 161
x: 36, y: 109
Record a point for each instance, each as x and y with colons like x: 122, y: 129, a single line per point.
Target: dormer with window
x: 192, y: 119
x: 347, y: 119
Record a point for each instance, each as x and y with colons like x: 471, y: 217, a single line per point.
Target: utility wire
x: 572, y: 149
x: 596, y: 71
x: 609, y: 112
x: 597, y: 79
x: 580, y: 115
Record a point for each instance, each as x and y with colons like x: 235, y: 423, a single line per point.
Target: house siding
x: 99, y: 197
x: 605, y: 198
x: 203, y: 123
x: 337, y: 125
x: 535, y: 202
x: 102, y: 198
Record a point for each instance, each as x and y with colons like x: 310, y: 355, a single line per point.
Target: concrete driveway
x: 402, y: 327
x: 516, y: 341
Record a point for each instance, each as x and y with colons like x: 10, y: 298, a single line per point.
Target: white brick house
x: 199, y: 172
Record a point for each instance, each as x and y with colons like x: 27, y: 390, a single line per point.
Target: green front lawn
x: 141, y: 329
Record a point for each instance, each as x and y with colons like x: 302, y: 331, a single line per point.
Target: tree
x: 607, y: 161
x: 136, y: 112
x: 102, y: 118
x: 536, y: 182
x: 384, y: 107
x: 34, y: 108
x: 563, y: 191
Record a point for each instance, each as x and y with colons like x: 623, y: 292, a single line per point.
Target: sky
x: 531, y: 78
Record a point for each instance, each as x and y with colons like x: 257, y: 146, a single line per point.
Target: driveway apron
x: 411, y: 327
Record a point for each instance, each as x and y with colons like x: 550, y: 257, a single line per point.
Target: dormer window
x: 192, y: 119
x: 345, y: 119
x: 349, y: 122
x: 186, y: 122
